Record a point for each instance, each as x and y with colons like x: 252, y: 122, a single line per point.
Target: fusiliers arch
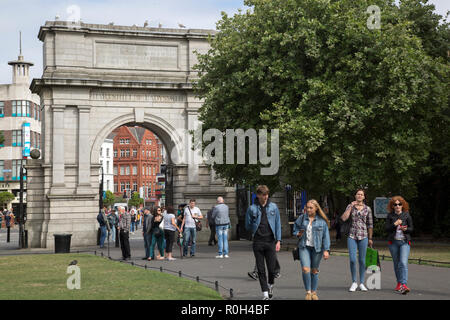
x: 95, y: 79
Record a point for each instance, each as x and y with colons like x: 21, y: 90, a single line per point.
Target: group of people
x: 312, y: 231
x: 161, y: 227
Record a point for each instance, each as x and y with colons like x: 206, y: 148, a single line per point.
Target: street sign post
x: 380, y: 207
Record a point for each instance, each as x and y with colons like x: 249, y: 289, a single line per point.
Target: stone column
x: 193, y: 157
x: 58, y: 183
x: 84, y: 162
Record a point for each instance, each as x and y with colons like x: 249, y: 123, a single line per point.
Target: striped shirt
x: 362, y: 221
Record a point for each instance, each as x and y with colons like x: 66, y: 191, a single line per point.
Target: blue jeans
x: 147, y: 244
x: 188, y: 234
x: 222, y: 238
x: 310, y: 259
x: 132, y: 226
x: 102, y: 236
x: 112, y: 233
x: 158, y: 241
x: 361, y: 246
x: 400, y: 252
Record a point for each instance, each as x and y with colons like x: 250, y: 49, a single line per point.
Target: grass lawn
x: 44, y: 277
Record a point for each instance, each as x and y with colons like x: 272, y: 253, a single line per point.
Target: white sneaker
x: 353, y: 287
x: 362, y: 287
x: 226, y: 256
x: 219, y: 257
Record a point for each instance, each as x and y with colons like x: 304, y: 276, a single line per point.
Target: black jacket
x: 148, y: 223
x: 391, y: 229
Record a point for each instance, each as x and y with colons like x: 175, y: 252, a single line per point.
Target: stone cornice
x: 66, y: 26
x: 38, y: 83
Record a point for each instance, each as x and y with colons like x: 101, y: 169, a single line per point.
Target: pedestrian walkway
x: 426, y: 282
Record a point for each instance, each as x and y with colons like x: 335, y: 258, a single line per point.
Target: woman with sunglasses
x: 399, y: 227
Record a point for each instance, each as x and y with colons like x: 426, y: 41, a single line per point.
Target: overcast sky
x: 29, y: 15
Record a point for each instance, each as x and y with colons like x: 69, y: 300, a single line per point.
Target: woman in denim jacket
x: 312, y: 229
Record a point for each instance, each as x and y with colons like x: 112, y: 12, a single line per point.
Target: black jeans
x: 170, y: 237
x: 125, y: 244
x: 265, y: 251
x: 212, y: 236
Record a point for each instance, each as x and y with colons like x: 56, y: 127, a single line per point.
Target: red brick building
x: 138, y: 156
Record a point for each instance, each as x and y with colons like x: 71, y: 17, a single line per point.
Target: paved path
x: 426, y: 282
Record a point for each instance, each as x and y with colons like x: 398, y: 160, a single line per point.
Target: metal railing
x: 216, y: 284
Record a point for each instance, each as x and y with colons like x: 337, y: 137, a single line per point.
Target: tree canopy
x: 355, y: 106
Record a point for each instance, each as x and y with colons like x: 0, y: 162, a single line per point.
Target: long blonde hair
x: 319, y: 209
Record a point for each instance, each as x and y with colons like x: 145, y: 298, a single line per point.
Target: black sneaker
x: 253, y: 275
x: 270, y: 291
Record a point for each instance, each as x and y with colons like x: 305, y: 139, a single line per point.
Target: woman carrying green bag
x: 360, y: 230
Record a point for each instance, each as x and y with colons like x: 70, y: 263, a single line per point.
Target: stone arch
x: 170, y: 137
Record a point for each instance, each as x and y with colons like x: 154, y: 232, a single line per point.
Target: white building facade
x: 106, y: 162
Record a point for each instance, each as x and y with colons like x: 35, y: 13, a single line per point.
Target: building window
x: 115, y: 170
x: 135, y: 186
x: 128, y: 185
x: 127, y: 141
x: 143, y: 170
x: 115, y: 153
x: 122, y: 186
x: 115, y: 188
x: 2, y: 106
x: 127, y: 171
x: 127, y: 153
x: 16, y: 168
x: 122, y: 153
x: 107, y: 152
x: 134, y: 153
x: 107, y: 168
x: 134, y: 170
x: 17, y: 138
x: 14, y: 108
x: 122, y: 170
x: 28, y: 109
x: 101, y: 152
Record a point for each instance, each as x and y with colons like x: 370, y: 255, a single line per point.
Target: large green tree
x: 355, y: 106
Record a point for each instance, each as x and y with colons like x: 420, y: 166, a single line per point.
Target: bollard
x: 231, y: 293
x: 198, y: 279
x: 145, y: 267
x: 179, y: 274
x: 132, y: 263
x: 161, y: 269
x: 217, y: 285
x: 419, y: 260
x: 102, y: 254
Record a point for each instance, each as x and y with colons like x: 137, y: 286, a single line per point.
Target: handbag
x: 372, y: 258
x: 295, y: 252
x: 198, y: 223
x: 346, y: 225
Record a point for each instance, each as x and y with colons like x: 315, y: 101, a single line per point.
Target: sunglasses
x: 397, y: 204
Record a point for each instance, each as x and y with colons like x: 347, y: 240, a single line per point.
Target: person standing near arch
x: 191, y: 212
x: 124, y: 230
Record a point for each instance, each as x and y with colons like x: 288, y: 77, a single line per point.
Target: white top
x: 309, y: 236
x: 190, y: 223
x: 168, y: 222
x: 399, y: 235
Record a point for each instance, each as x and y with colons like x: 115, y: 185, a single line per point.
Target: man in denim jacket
x: 264, y: 222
